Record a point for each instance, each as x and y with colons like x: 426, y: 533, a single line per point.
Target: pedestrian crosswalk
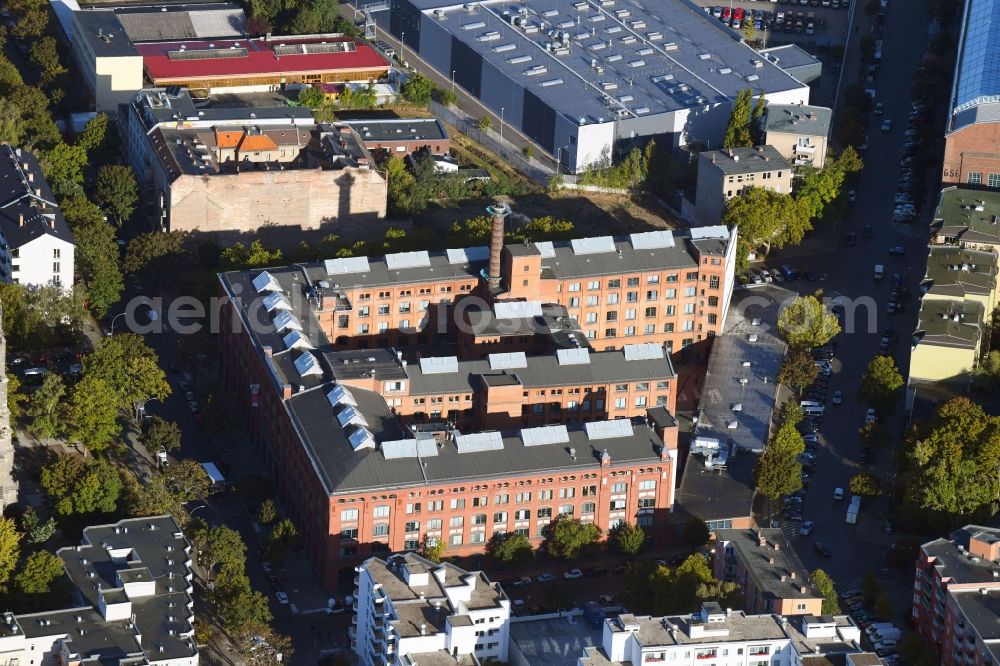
x: 790, y: 528
x: 911, y: 230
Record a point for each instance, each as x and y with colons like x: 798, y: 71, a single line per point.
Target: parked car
x: 879, y: 108
x: 897, y: 250
x: 282, y: 598
x: 807, y: 528
x: 572, y: 574
x: 870, y: 416
x: 593, y: 572
x: 838, y: 397
x: 546, y: 578
x: 838, y: 493
x: 886, y: 125
x: 521, y: 582
x: 822, y: 549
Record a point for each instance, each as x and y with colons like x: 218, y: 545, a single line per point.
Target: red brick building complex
x: 377, y: 449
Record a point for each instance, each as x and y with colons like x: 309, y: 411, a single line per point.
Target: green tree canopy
x: 881, y: 384
x: 158, y: 256
x: 267, y: 513
x: 283, y: 540
x: 93, y: 414
x: 242, y: 256
x: 11, y: 123
x: 660, y: 590
x: 159, y: 434
x: 807, y: 323
x: 41, y: 569
x: 798, y: 370
x: 766, y: 220
x: 117, y: 192
x: 696, y: 532
x: 151, y: 497
x: 400, y: 184
x: 511, y: 548
x: 45, y: 407
x: 778, y: 471
x: 417, y: 90
x: 791, y: 412
x: 127, y: 364
x: 10, y: 549
x: 220, y: 548
x: 63, y: 169
x: 866, y: 484
x: 822, y: 581
x: 35, y: 316
x: 629, y: 538
x: 36, y: 531
x: 312, y: 97
x: 433, y: 551
x: 952, y: 460
x: 569, y: 538
x: 986, y: 375
x: 187, y: 480
x: 81, y: 485
x: 96, y: 253
x: 737, y: 133
x: 95, y: 133
x: 816, y: 188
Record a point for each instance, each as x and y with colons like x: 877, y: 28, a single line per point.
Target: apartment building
x: 364, y: 468
x: 723, y: 636
x: 956, y: 595
x: 801, y: 133
x: 133, y: 586
x: 967, y: 218
x: 662, y: 287
x: 947, y: 341
x: 36, y: 244
x: 402, y: 136
x: 226, y: 171
x: 956, y: 273
x: 411, y: 611
x: 768, y: 570
x: 724, y: 174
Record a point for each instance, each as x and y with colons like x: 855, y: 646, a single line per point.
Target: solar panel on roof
x: 285, y: 320
x: 554, y: 434
x: 595, y: 245
x: 409, y: 448
x: 265, y: 282
x: 466, y: 255
x: 346, y: 265
x: 611, y: 429
x: 361, y: 439
x: 206, y: 54
x: 546, y: 249
x: 517, y: 309
x: 339, y: 395
x: 508, y: 361
x: 717, y: 231
x: 645, y: 352
x: 579, y: 356
x: 276, y: 301
x: 652, y: 240
x: 407, y: 260
x: 306, y: 365
x: 295, y: 340
x: 439, y: 365
x: 350, y: 415
x: 314, y: 49
x: 479, y: 441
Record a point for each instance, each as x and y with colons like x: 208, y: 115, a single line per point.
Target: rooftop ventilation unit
x: 555, y: 434
x: 670, y: 46
x: 640, y: 110
x: 752, y: 77
x: 550, y: 82
x: 661, y: 78
x: 652, y: 240
x: 508, y: 361
x: 725, y: 70
x: 611, y: 429
x: 439, y: 365
x: 479, y: 442
x: 517, y: 60
x: 637, y: 63
x: 504, y: 48
x: 704, y: 56
x: 474, y: 25
x: 645, y: 52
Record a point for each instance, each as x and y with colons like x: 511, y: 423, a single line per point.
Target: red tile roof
x: 258, y: 142
x: 228, y: 139
x: 259, y: 60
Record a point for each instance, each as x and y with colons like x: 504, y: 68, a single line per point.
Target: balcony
x: 809, y: 150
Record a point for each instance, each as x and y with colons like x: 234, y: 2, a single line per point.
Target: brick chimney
x: 20, y: 219
x: 499, y: 211
x: 286, y: 391
x: 605, y: 458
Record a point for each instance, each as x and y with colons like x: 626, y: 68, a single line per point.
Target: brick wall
x: 971, y: 149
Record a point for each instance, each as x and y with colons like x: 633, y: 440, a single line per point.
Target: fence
x: 490, y: 140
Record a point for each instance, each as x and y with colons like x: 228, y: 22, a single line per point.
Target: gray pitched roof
x: 738, y: 161
x: 25, y: 195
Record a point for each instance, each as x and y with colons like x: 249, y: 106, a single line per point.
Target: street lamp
x: 501, y: 124
x: 113, y: 320
x: 402, y: 46
x: 453, y: 81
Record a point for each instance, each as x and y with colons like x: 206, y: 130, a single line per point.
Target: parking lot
x: 787, y: 21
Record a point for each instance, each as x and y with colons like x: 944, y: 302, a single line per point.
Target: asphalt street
x: 848, y: 272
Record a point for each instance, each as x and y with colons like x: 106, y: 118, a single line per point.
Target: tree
x: 865, y: 484
x: 116, y: 191
x: 986, y: 375
x: 187, y: 480
x: 807, y: 323
x: 219, y: 549
x: 432, y: 550
x: 629, y: 538
x: 151, y: 497
x: 880, y: 385
x: 45, y: 406
x: 791, y: 412
x: 284, y: 538
x: 798, y: 371
x: 447, y: 97
x: 95, y: 133
x: 158, y: 435
x: 816, y: 188
x: 240, y: 256
x: 696, y: 532
x: 778, y: 471
x: 35, y: 531
x: 400, y: 184
x: 10, y: 549
x: 684, y: 588
x: 485, y: 124
x: 40, y: 570
x: 749, y: 31
x: 312, y: 97
x: 63, y: 169
x: 11, y: 124
x: 951, y: 460
x: 238, y: 606
x: 511, y: 548
x: 417, y: 90
x: 31, y: 24
x: 35, y: 315
x: 766, y: 220
x: 127, y: 364
x: 158, y: 256
x: 96, y: 252
x: 822, y: 582
x: 44, y: 54
x: 267, y: 513
x: 870, y: 587
x: 737, y: 133
x: 569, y: 538
x: 81, y: 485
x: 93, y: 414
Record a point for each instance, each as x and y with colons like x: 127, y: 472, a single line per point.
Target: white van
x: 885, y: 645
x: 814, y: 410
x: 810, y: 403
